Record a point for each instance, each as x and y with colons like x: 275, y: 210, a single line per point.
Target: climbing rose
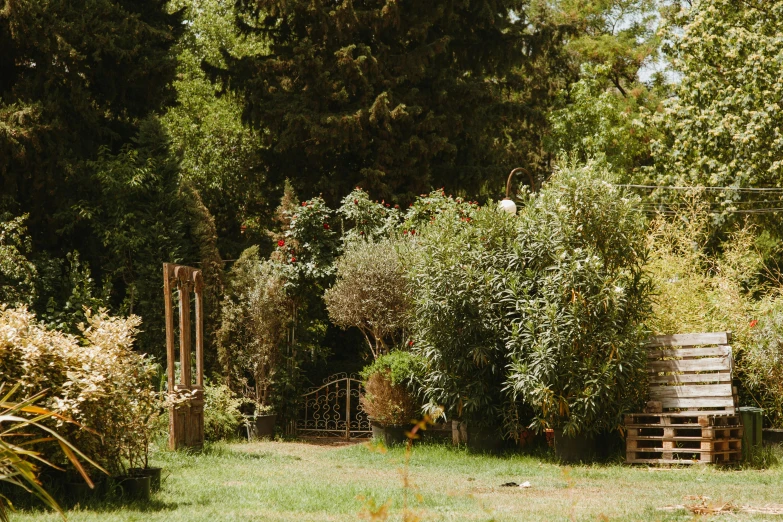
x: 281, y: 243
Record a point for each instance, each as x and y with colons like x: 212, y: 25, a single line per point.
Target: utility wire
x: 716, y: 189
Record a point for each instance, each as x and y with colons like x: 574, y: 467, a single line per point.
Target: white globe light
x: 508, y: 206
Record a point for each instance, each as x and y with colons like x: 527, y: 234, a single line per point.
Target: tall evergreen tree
x: 394, y: 95
x: 74, y: 76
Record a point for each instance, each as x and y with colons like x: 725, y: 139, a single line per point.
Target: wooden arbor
x: 186, y: 418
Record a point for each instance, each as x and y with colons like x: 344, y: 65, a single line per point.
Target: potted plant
x: 150, y: 405
x: 388, y: 399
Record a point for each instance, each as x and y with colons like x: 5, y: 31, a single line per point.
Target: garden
x: 351, y: 322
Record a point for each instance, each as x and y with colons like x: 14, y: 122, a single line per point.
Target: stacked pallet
x: 683, y: 439
x: 691, y: 417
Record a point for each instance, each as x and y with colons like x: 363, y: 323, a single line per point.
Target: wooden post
x: 168, y: 274
x: 198, y: 285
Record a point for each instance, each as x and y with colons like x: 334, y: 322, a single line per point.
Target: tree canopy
x: 396, y: 97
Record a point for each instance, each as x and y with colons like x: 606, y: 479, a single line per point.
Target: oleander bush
x: 576, y: 295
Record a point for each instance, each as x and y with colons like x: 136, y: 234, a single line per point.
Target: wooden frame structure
x: 186, y: 418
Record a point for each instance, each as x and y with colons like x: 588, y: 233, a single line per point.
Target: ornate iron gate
x: 333, y: 410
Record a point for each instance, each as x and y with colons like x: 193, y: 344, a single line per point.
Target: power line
x: 715, y: 189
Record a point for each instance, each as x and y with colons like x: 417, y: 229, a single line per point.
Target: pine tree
x: 394, y: 95
x: 74, y: 76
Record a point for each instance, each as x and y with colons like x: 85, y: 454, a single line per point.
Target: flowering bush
x: 364, y: 219
x: 94, y: 378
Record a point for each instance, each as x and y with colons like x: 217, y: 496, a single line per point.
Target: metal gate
x: 333, y: 410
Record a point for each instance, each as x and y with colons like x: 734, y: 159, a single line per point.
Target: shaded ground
x: 298, y: 481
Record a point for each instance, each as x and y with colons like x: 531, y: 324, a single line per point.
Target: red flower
x: 326, y: 226
x: 293, y: 260
x: 405, y: 232
x: 355, y: 201
x: 396, y: 206
x: 281, y: 243
x: 304, y: 203
x: 410, y: 343
x: 361, y: 233
x: 413, y: 232
x: 753, y: 323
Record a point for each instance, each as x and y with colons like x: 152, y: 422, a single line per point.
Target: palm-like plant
x: 21, y: 429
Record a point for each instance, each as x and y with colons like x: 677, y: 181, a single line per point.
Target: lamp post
x: 506, y: 203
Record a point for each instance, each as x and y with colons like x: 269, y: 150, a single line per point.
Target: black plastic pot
x: 574, y: 449
x: 78, y: 491
x: 153, y: 473
x: 485, y: 440
x: 132, y: 487
x: 389, y: 435
x: 263, y: 426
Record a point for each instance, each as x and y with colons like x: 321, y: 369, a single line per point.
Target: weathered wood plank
x: 683, y: 378
x: 694, y: 390
x: 701, y: 402
x: 691, y: 365
x: 719, y: 351
x: 693, y: 339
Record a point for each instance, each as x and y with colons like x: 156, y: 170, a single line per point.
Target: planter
x: 389, y: 435
x: 574, y: 449
x: 132, y: 487
x: 153, y: 473
x: 79, y: 492
x: 263, y: 426
x: 485, y: 440
x: 772, y: 436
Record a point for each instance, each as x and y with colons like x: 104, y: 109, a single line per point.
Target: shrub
x: 575, y: 296
x: 256, y: 316
x: 389, y: 382
x: 95, y: 378
x: 763, y: 363
x: 370, y: 293
x: 222, y: 415
x: 456, y: 321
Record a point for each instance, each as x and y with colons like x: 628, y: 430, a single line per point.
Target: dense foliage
x: 95, y: 379
x: 456, y: 320
x: 371, y: 293
x: 576, y: 297
x: 396, y: 97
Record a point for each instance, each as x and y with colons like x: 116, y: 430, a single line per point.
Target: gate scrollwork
x: 334, y: 410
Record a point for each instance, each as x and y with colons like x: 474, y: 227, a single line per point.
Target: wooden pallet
x: 691, y: 387
x: 722, y: 452
x: 681, y: 419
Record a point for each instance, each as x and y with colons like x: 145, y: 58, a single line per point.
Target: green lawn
x: 295, y: 481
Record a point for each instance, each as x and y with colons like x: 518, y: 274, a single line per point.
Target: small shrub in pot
x: 389, y: 398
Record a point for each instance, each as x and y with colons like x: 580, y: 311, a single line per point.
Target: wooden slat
x: 690, y: 365
x: 694, y: 339
x: 701, y: 402
x: 698, y: 390
x: 689, y: 378
x: 727, y: 411
x: 720, y: 351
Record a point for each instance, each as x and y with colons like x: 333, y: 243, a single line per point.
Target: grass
x: 296, y: 481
